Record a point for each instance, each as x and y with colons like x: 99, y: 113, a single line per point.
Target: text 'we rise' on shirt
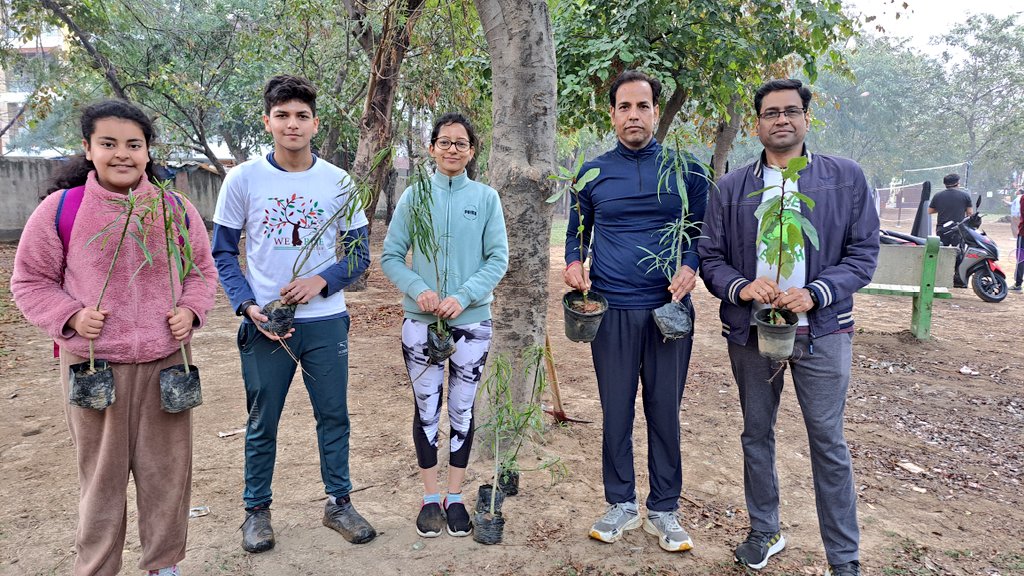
x: 279, y: 211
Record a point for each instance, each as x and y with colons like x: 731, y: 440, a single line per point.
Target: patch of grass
x: 958, y: 554
x: 558, y: 227
x: 1010, y: 561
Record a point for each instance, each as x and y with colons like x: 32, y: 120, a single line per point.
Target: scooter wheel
x: 988, y: 285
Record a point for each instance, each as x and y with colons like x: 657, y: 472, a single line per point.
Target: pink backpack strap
x: 70, y: 202
x: 67, y: 209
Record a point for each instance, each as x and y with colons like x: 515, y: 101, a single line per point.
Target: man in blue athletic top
x: 624, y: 212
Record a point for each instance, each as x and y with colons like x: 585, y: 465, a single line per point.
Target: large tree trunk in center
x: 521, y: 46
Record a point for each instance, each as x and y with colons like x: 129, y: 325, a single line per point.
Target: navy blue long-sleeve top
x: 625, y: 211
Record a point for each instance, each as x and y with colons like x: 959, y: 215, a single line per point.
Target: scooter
x: 976, y: 260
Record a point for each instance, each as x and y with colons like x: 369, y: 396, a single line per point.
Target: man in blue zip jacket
x: 624, y: 212
x: 820, y: 291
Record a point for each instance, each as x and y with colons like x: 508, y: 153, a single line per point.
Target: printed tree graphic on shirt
x: 292, y: 214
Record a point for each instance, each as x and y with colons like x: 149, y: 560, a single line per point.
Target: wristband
x: 573, y: 263
x: 814, y: 299
x: 245, y: 306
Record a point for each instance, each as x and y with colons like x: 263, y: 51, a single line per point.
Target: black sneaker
x: 459, y: 523
x: 257, y: 533
x: 1016, y: 288
x: 430, y: 521
x: 343, y: 518
x: 848, y: 569
x: 759, y: 546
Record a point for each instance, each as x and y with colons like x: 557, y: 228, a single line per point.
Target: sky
x: 923, y: 19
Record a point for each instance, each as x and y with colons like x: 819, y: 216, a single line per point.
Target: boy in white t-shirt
x: 280, y: 201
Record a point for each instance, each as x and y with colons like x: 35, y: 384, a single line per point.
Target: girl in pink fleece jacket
x: 134, y: 332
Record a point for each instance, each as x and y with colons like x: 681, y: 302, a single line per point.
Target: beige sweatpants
x: 131, y: 435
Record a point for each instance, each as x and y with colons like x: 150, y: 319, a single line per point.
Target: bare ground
x: 954, y: 507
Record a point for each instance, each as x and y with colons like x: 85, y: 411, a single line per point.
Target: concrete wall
x: 23, y: 181
x: 22, y: 186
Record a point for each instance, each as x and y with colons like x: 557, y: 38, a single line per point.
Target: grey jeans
x: 820, y: 380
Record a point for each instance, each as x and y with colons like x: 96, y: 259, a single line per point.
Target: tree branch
x: 108, y: 69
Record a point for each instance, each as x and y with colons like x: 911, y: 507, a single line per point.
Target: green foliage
x: 510, y: 423
x: 357, y: 199
x: 424, y: 236
x: 573, y: 182
x: 180, y: 259
x: 704, y: 51
x: 675, y: 167
x: 131, y: 210
x: 783, y: 226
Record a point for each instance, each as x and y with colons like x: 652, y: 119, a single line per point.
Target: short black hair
x: 779, y: 85
x: 286, y: 87
x: 951, y: 180
x: 628, y: 76
x: 454, y: 118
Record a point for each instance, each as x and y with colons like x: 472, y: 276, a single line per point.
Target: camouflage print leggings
x: 465, y: 368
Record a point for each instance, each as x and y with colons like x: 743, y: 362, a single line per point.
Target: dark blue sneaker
x: 759, y: 546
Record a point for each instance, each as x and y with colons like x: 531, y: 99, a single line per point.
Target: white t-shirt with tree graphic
x: 279, y: 211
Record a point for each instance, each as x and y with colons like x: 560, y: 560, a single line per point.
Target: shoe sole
x: 459, y: 533
x: 258, y: 549
x: 349, y: 536
x: 611, y: 537
x: 428, y: 534
x: 666, y: 544
x: 772, y: 551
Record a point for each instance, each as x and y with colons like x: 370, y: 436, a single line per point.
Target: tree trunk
x: 376, y: 129
x: 521, y: 46
x: 668, y: 113
x: 238, y: 153
x: 725, y: 136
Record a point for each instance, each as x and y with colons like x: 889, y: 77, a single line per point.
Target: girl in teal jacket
x: 456, y: 286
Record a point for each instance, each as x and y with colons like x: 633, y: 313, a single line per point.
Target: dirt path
x: 957, y: 510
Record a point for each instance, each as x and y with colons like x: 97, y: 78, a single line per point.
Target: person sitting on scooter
x: 951, y: 205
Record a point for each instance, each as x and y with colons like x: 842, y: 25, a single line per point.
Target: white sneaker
x: 618, y: 519
x: 671, y: 536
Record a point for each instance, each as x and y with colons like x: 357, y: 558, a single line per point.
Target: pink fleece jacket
x: 136, y: 329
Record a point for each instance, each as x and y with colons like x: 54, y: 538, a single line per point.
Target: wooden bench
x: 920, y: 272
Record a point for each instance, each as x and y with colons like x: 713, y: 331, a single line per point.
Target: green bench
x: 923, y: 273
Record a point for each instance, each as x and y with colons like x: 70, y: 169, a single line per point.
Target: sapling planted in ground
x: 91, y: 383
x: 509, y: 423
x: 781, y: 233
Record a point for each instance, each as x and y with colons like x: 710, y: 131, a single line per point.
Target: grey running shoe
x: 257, y: 533
x: 618, y: 519
x: 848, y: 569
x: 343, y: 518
x: 671, y: 536
x: 759, y: 546
x: 431, y: 520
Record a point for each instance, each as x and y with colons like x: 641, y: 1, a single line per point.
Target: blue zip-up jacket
x: 625, y: 214
x: 847, y: 224
x: 473, y: 258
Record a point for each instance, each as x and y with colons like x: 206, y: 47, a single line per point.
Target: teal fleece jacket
x: 470, y: 228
